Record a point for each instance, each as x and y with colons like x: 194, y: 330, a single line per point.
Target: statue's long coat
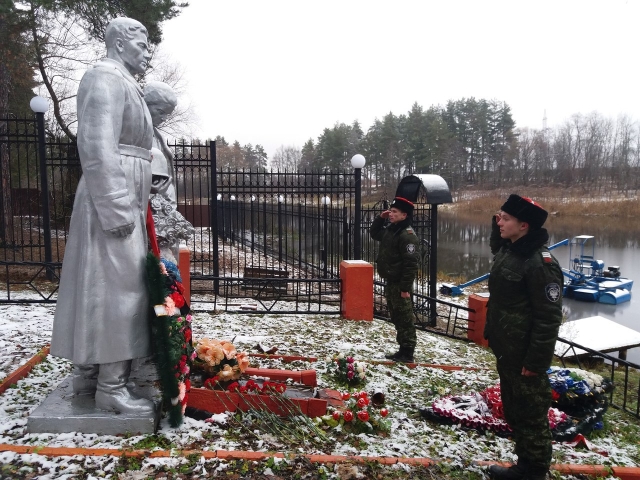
x: 101, y: 315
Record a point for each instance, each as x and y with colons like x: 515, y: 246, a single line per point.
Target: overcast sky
x: 279, y: 72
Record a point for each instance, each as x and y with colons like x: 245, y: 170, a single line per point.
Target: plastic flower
x: 243, y: 361
x: 228, y: 349
x: 170, y: 305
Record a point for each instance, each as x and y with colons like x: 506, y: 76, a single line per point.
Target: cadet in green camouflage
x: 523, y: 318
x: 397, y: 263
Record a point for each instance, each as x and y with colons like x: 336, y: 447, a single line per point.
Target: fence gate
x: 276, y: 237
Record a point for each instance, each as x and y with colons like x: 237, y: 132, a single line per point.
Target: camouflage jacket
x: 525, y: 303
x: 398, y: 256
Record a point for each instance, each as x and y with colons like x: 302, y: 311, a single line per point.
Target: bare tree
x: 183, y: 120
x: 286, y: 158
x: 63, y: 52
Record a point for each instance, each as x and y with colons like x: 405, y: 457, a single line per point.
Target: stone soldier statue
x: 170, y: 225
x: 101, y: 319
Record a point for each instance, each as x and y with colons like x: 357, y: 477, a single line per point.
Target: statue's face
x: 135, y: 53
x: 159, y: 112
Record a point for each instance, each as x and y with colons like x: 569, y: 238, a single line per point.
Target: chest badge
x: 553, y: 292
x: 411, y: 248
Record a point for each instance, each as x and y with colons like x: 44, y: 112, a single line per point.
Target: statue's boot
x: 112, y: 393
x: 85, y: 379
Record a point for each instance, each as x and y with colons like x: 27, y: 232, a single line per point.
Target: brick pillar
x: 185, y: 272
x: 477, y: 320
x: 357, y: 290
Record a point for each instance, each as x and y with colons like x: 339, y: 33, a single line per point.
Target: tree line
x: 475, y: 143
x: 470, y: 142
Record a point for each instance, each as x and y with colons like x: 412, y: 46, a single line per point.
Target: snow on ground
x: 25, y: 329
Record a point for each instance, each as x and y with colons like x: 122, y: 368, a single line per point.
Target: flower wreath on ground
x: 578, y: 403
x: 171, y: 335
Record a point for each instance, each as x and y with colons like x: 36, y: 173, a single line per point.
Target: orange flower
x: 243, y: 361
x: 210, y: 351
x: 229, y: 349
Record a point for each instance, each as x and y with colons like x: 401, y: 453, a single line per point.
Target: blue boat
x: 588, y: 280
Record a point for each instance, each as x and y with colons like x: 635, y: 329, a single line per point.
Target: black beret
x: 525, y: 210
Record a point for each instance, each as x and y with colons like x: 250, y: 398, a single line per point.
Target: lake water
x: 463, y: 249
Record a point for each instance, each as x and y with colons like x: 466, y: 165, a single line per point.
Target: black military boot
x: 405, y: 355
x: 515, y: 472
x: 393, y: 356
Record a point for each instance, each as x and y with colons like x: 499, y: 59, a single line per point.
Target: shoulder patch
x: 553, y: 292
x: 546, y: 257
x: 411, y: 248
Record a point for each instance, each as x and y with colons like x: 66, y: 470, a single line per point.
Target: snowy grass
x: 27, y: 328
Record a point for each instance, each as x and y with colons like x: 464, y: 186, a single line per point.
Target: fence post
x: 357, y: 162
x: 433, y: 266
x: 325, y: 207
x: 213, y: 213
x: 40, y: 105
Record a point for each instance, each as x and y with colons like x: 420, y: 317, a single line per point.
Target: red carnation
x: 178, y: 299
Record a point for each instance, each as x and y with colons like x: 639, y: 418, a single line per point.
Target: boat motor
x: 612, y: 272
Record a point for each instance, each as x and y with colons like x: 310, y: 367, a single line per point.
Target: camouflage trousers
x: 526, y: 402
x: 402, y: 317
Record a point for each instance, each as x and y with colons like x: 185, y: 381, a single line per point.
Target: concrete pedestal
x: 63, y: 411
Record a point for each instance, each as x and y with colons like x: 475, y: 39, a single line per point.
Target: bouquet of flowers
x: 360, y: 414
x: 582, y: 395
x: 220, y: 359
x: 347, y: 370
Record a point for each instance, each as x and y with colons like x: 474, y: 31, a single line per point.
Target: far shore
x: 557, y: 201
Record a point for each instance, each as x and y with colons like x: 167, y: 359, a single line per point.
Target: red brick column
x: 477, y: 320
x: 357, y: 290
x: 185, y: 272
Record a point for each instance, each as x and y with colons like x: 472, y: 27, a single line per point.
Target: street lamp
x: 251, y: 222
x: 40, y: 106
x: 358, y: 162
x: 280, y: 200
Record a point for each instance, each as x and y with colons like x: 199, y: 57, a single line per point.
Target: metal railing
x: 617, y: 367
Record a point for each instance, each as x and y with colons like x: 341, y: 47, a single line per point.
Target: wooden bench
x: 254, y: 276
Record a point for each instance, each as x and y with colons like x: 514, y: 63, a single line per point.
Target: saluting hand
x: 385, y: 214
